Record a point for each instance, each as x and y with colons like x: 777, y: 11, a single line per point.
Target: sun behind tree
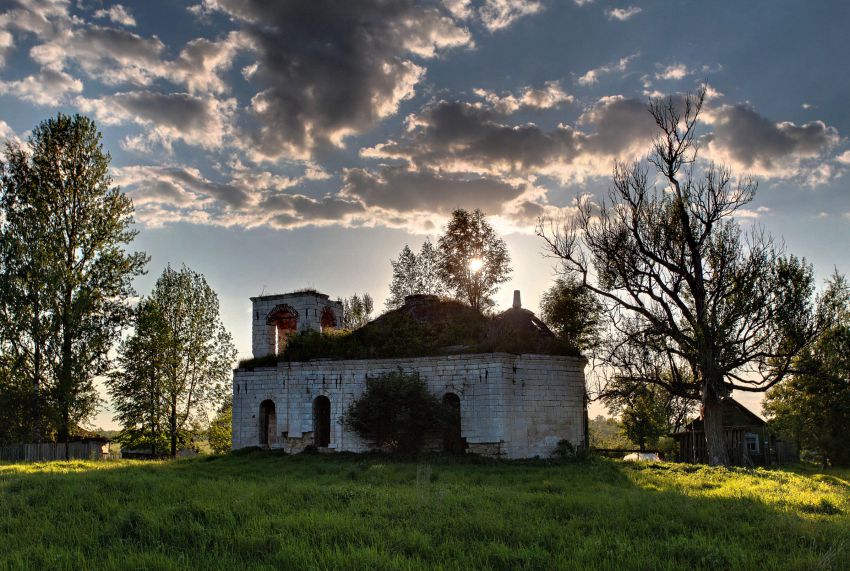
x: 473, y: 260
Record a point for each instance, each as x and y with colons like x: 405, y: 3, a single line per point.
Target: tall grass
x: 268, y: 511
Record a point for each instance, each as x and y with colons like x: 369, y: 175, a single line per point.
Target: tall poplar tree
x: 177, y: 364
x: 69, y: 279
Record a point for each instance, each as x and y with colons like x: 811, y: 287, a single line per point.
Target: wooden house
x: 749, y: 441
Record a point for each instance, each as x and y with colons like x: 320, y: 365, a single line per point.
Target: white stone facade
x: 308, y: 308
x: 515, y: 406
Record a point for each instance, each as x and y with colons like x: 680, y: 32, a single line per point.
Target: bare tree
x: 695, y: 305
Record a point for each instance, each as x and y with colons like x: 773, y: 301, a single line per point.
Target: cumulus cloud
x: 402, y: 190
x: 201, y: 62
x: 551, y: 95
x: 672, y: 71
x: 177, y: 193
x: 116, y: 56
x: 750, y: 142
x: 196, y: 120
x: 7, y: 133
x: 117, y: 14
x: 327, y: 70
x: 498, y: 14
x: 47, y: 87
x: 111, y: 55
x: 463, y: 137
x: 623, y: 14
x: 592, y: 76
x: 493, y: 14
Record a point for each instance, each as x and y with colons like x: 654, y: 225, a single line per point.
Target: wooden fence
x: 45, y: 451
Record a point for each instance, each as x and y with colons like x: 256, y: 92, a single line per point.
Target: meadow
x: 262, y: 510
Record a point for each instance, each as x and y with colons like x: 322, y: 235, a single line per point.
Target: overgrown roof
x: 428, y: 325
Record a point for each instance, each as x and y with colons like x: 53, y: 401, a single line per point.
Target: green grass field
x: 264, y: 510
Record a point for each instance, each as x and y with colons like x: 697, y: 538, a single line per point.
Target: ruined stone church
x: 511, y: 404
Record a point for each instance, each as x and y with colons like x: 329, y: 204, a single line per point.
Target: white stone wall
x: 517, y: 405
x: 309, y: 307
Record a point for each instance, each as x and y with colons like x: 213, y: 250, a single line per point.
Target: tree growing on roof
x: 473, y: 260
x: 415, y: 274
x: 695, y: 305
x: 356, y: 311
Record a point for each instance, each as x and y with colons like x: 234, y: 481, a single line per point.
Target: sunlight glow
x: 475, y: 265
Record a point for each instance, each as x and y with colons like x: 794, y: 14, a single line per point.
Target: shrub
x: 565, y: 450
x: 396, y: 411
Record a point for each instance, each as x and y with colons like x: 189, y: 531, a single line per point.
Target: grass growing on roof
x: 266, y: 510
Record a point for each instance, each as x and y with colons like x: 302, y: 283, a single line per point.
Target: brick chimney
x: 517, y: 302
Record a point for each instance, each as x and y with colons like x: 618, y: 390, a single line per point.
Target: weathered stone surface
x: 515, y: 406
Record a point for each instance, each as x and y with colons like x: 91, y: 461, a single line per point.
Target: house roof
x: 734, y: 414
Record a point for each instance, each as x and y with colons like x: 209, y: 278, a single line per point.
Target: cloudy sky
x: 278, y: 145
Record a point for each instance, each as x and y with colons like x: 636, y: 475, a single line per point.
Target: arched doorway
x: 322, y: 421
x: 268, y: 423
x: 452, y: 439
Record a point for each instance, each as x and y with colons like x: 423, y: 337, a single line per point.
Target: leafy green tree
x: 396, y: 411
x: 357, y: 311
x: 644, y: 417
x: 188, y: 368
x: 473, y: 260
x: 606, y: 433
x: 69, y: 280
x: 697, y: 307
x: 813, y: 405
x: 405, y: 278
x: 220, y: 432
x: 428, y: 263
x: 415, y: 274
x: 573, y: 312
x: 137, y: 386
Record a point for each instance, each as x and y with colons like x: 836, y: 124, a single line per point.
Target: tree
x: 357, y: 311
x: 429, y: 281
x: 405, y: 278
x: 415, y: 274
x: 68, y: 278
x: 220, y: 432
x: 190, y: 355
x: 643, y: 417
x: 573, y: 312
x: 396, y: 411
x: 606, y: 433
x: 694, y: 306
x: 813, y: 405
x: 27, y: 281
x: 137, y: 387
x: 473, y: 260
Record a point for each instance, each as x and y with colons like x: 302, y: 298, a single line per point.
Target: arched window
x: 268, y: 423
x: 322, y: 421
x: 328, y: 319
x: 284, y: 319
x: 452, y: 439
